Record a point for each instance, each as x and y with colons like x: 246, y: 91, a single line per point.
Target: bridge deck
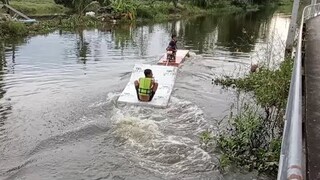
x: 312, y: 77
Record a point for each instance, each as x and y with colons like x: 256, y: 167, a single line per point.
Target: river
x: 59, y: 116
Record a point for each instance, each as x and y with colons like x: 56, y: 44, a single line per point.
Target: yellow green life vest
x: 145, y: 86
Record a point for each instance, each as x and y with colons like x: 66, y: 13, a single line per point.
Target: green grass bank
x: 38, y: 7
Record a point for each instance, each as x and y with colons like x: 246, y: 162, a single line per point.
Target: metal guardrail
x: 291, y: 157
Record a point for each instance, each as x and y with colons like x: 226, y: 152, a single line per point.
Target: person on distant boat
x: 172, y: 48
x: 146, y: 87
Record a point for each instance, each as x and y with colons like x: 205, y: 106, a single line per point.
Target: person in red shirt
x: 172, y: 48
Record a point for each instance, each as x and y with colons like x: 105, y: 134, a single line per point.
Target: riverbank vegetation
x: 253, y: 139
x: 132, y: 9
x: 10, y: 29
x: 70, y: 14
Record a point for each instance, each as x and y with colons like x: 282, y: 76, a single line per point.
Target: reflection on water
x: 82, y: 48
x: 5, y: 107
x: 2, y: 91
x: 53, y: 90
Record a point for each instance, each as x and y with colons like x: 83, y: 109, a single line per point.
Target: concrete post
x: 292, y: 27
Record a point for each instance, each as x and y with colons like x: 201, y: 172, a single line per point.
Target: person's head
x: 173, y: 36
x: 148, y: 73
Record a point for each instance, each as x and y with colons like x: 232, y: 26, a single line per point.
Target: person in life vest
x: 146, y: 87
x: 172, y: 48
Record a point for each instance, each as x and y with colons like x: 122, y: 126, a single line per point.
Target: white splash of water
x: 164, y: 141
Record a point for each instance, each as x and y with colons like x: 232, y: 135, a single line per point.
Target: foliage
x: 254, y: 141
x: 131, y: 8
x: 205, y: 138
x: 270, y: 87
x: 17, y: 29
x: 127, y: 8
x: 84, y: 22
x: 153, y: 11
x: 66, y: 3
x: 249, y: 143
x: 37, y: 7
x: 12, y: 28
x: 224, y: 3
x: 72, y: 3
x: 71, y: 23
x: 104, y: 2
x: 79, y: 6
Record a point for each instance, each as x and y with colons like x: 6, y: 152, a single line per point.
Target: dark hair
x: 147, y: 72
x: 173, y: 35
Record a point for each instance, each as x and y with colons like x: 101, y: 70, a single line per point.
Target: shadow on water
x: 234, y: 32
x: 241, y: 32
x: 82, y: 47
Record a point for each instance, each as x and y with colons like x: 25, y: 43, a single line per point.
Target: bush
x: 254, y: 140
x: 12, y: 28
x: 249, y: 144
x: 126, y: 8
x: 145, y: 12
x: 159, y: 10
x: 270, y: 87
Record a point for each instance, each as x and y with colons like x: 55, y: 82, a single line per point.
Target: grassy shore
x: 143, y: 12
x: 157, y: 10
x: 38, y: 7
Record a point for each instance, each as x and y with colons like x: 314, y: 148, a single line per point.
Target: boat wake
x: 163, y: 141
x: 122, y: 138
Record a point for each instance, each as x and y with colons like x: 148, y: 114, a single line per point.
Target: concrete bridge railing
x: 292, y: 157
